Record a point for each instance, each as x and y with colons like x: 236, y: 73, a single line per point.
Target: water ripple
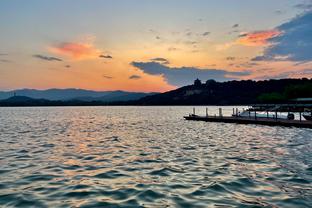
x: 148, y: 157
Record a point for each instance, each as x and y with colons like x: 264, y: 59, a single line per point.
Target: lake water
x: 148, y: 157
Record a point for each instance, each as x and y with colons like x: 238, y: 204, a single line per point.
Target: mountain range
x: 209, y: 93
x: 75, y: 94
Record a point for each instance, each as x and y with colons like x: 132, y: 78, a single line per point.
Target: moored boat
x: 307, y: 116
x: 251, y: 114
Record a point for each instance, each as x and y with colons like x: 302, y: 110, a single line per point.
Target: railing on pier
x: 238, y: 118
x: 267, y: 108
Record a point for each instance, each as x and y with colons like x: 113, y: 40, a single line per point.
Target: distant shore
x: 244, y: 92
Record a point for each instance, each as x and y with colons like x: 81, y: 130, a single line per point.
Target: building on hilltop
x: 197, y: 82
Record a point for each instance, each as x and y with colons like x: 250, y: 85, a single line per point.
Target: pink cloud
x: 76, y: 51
x: 258, y: 38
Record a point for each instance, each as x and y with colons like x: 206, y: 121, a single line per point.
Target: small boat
x: 307, y: 116
x: 250, y: 114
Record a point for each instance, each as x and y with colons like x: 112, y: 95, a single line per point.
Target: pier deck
x: 244, y: 120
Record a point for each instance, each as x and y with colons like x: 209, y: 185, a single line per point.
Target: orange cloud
x: 258, y: 38
x: 76, y: 50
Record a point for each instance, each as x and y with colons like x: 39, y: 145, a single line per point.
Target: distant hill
x: 115, y: 96
x: 23, y: 101
x: 210, y: 93
x: 75, y: 94
x: 233, y: 93
x: 17, y: 101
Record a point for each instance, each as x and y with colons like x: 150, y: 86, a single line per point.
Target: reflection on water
x: 148, y: 157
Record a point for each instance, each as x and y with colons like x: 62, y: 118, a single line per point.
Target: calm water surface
x: 148, y: 157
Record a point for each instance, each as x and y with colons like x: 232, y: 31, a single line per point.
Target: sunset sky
x: 151, y: 45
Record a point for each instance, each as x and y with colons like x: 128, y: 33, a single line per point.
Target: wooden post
x: 193, y: 111
x: 236, y: 112
x: 206, y: 112
x: 233, y: 112
x: 220, y: 111
x: 267, y: 114
x: 276, y: 115
x: 300, y: 115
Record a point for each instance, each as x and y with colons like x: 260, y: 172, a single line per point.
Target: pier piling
x: 300, y: 116
x: 220, y: 112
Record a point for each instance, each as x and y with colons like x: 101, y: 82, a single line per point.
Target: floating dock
x: 254, y: 118
x: 259, y: 121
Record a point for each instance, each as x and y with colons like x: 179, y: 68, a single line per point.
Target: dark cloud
x: 107, y: 77
x: 301, y: 63
x: 160, y: 60
x: 205, y: 33
x: 305, y: 6
x: 67, y: 66
x: 173, y: 49
x: 158, y: 38
x: 135, y: 77
x: 185, y: 75
x: 247, y: 64
x: 289, y: 74
x: 5, y: 61
x: 189, y: 34
x: 278, y: 12
x: 105, y: 56
x: 230, y: 58
x: 235, y: 26
x: 242, y: 35
x: 47, y: 58
x: 259, y: 58
x: 293, y: 44
x: 191, y: 42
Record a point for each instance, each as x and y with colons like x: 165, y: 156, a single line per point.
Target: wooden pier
x: 259, y: 121
x: 236, y: 118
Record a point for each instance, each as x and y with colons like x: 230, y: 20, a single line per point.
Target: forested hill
x: 233, y: 93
